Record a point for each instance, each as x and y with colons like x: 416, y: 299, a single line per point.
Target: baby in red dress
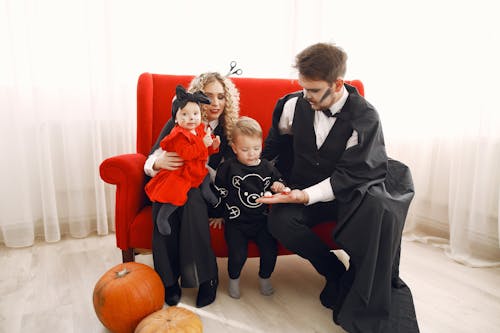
x: 190, y: 140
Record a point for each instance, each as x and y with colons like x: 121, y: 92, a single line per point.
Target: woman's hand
x: 294, y: 196
x: 169, y: 161
x: 216, y: 222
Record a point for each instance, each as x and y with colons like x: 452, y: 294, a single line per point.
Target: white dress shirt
x: 322, y: 191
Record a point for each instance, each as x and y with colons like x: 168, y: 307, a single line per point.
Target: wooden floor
x: 48, y: 288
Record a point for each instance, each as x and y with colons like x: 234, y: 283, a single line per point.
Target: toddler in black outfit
x: 239, y: 182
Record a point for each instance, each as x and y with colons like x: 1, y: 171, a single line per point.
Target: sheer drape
x: 69, y: 71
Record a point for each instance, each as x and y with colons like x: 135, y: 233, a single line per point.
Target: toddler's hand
x: 216, y: 142
x: 207, y: 139
x: 278, y: 187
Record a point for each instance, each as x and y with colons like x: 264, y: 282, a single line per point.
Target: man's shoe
x: 345, y: 286
x: 329, y: 293
x: 207, y: 293
x: 173, y: 294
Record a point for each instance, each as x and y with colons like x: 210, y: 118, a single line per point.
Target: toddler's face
x: 189, y: 117
x: 247, y: 149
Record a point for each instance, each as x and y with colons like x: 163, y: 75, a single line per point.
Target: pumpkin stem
x: 122, y: 273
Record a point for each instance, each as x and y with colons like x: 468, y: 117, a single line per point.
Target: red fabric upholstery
x: 155, y: 92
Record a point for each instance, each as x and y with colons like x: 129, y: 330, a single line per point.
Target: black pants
x: 291, y: 225
x: 237, y: 236
x: 186, y: 252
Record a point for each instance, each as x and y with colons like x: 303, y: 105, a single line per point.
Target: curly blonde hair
x: 231, y: 111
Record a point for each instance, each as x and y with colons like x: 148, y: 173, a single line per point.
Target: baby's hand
x: 279, y: 187
x: 207, y: 139
x: 216, y: 142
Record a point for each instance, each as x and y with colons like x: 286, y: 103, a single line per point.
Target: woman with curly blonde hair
x: 230, y: 99
x: 186, y: 252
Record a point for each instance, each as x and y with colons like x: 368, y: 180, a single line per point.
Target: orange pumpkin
x: 173, y: 319
x: 126, y: 294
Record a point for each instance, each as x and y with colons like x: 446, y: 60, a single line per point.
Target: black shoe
x: 345, y: 285
x: 207, y: 293
x: 173, y: 294
x: 329, y: 293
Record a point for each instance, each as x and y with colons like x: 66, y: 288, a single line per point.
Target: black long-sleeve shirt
x: 239, y: 185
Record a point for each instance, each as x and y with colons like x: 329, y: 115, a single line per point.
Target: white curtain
x: 68, y: 73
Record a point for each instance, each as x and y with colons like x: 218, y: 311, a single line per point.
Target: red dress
x: 172, y: 186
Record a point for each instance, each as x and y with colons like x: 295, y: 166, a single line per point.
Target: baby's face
x: 189, y: 117
x: 247, y: 149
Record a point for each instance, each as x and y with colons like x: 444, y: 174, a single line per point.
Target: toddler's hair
x: 246, y: 126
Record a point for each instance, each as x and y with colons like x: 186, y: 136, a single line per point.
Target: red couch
x: 154, y: 97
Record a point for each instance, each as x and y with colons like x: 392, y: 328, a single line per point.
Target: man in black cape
x: 327, y: 141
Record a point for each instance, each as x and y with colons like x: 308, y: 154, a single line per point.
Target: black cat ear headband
x: 182, y: 97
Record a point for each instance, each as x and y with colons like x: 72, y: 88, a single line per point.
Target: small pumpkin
x: 173, y: 319
x: 126, y: 294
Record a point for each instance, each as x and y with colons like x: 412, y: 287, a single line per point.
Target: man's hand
x: 294, y: 196
x: 168, y: 160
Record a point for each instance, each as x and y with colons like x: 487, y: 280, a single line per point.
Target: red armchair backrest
x: 155, y: 92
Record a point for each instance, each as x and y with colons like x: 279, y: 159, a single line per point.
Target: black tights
x: 237, y: 236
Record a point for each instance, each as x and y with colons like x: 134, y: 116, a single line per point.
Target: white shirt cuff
x: 150, y: 162
x: 321, y: 192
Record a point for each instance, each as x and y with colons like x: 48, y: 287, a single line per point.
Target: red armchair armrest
x: 127, y: 173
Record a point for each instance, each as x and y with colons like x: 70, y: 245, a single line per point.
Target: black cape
x: 373, y: 194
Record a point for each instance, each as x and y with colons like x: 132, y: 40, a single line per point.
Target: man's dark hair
x: 322, y: 61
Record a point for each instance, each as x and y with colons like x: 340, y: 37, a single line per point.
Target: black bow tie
x: 338, y: 115
x: 329, y: 113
